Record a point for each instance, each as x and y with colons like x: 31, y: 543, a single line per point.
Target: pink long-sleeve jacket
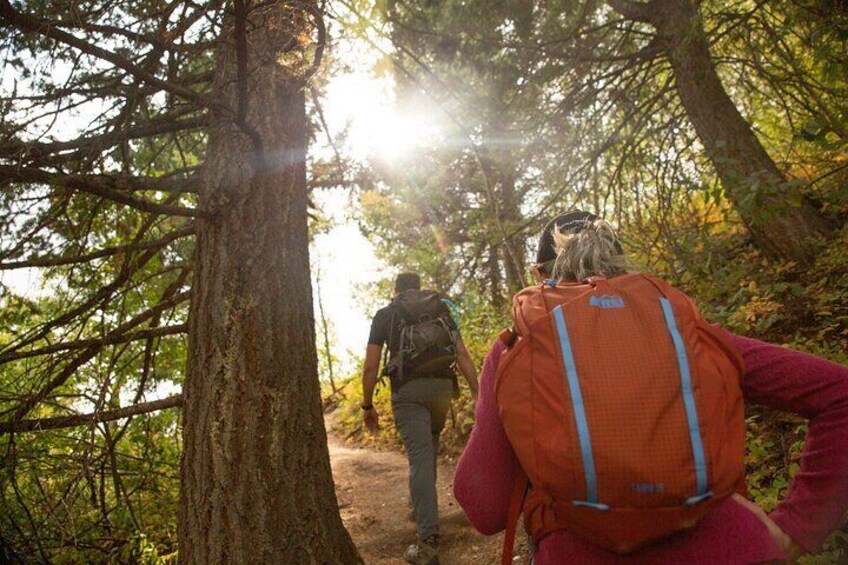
x: 775, y: 377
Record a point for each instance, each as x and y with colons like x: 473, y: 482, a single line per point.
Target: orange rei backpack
x: 624, y: 408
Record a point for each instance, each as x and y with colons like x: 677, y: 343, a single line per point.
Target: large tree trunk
x: 781, y: 220
x: 256, y: 482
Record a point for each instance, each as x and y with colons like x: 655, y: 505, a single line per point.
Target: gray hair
x: 593, y: 251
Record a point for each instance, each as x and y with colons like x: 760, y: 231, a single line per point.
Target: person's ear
x: 540, y: 276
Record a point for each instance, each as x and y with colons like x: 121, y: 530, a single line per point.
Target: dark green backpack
x: 427, y: 346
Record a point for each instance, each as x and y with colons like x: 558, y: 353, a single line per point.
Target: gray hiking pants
x: 420, y: 407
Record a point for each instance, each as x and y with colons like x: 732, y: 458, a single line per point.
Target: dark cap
x: 407, y: 281
x: 572, y: 221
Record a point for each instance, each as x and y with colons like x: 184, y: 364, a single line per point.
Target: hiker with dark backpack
x: 423, y: 349
x: 611, y: 416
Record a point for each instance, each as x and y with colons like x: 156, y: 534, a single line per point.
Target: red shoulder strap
x: 516, y: 503
x: 661, y: 286
x: 527, y: 305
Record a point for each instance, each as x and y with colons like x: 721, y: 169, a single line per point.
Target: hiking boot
x: 425, y: 552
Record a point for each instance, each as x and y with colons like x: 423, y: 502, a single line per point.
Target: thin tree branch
x: 66, y: 373
x: 118, y: 181
x: 41, y: 424
x: 320, y: 41
x: 49, y: 29
x: 131, y: 265
x: 111, y: 339
x: 316, y: 100
x: 56, y: 261
x: 170, y: 123
x: 102, y: 185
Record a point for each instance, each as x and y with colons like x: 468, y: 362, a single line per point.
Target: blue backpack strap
x: 703, y: 490
x: 580, y: 419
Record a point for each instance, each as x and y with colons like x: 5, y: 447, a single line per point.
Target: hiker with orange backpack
x: 611, y: 416
x: 423, y: 351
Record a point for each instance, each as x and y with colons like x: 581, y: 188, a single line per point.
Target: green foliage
x: 139, y: 549
x: 347, y: 416
x: 772, y: 460
x: 107, y: 492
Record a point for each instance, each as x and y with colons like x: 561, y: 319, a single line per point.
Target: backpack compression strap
x: 385, y: 370
x: 516, y: 503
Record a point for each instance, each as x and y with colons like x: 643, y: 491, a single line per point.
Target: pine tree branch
x: 30, y: 151
x: 109, y: 187
x: 59, y: 260
x: 132, y: 264
x: 118, y: 181
x: 99, y: 342
x: 50, y: 29
x: 41, y: 424
x: 31, y: 401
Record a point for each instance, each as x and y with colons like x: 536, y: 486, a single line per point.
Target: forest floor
x: 373, y: 497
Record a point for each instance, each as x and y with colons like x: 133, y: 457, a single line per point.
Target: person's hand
x: 790, y: 547
x: 371, y: 419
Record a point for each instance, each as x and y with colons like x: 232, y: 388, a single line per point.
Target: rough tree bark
x: 783, y: 223
x: 256, y: 482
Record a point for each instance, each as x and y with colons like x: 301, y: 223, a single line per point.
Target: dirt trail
x: 372, y: 491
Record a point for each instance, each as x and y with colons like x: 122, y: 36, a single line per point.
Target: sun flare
x: 375, y: 128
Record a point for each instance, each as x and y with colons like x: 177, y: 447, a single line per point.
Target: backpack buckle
x: 594, y: 281
x: 508, y: 337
